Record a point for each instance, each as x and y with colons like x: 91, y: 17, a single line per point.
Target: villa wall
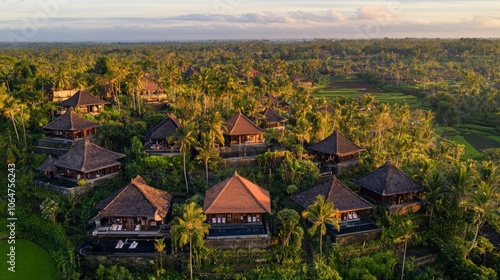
x: 358, y: 237
x: 243, y: 242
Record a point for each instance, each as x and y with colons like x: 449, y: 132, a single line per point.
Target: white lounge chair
x: 119, y: 227
x: 119, y: 245
x: 350, y: 216
x: 133, y: 245
x: 354, y: 215
x: 137, y: 227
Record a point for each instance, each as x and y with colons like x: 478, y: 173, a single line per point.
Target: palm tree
x: 192, y: 224
x: 184, y: 137
x: 134, y: 83
x: 290, y: 230
x: 302, y: 130
x: 484, y: 202
x: 436, y: 183
x: 61, y: 77
x: 206, y: 153
x: 407, y: 230
x: 321, y: 213
x: 214, y: 125
x: 160, y: 247
x: 10, y: 107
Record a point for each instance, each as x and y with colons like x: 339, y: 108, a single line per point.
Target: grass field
x: 469, y: 149
x: 356, y: 88
x: 32, y: 262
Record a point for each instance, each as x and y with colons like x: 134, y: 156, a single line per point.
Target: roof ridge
x: 351, y: 191
x: 84, y: 153
x: 220, y: 193
x: 139, y: 186
x: 120, y: 191
x: 248, y: 190
x: 79, y: 92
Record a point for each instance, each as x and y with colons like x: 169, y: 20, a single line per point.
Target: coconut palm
x: 484, y: 202
x: 290, y: 230
x: 10, y: 107
x: 436, y: 183
x: 160, y: 247
x: 321, y: 213
x: 191, y: 225
x: 302, y: 131
x: 206, y: 153
x: 185, y: 138
x: 215, y: 126
x: 407, y: 229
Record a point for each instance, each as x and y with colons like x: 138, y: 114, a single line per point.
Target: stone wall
x: 239, y: 243
x: 358, y: 237
x: 405, y: 208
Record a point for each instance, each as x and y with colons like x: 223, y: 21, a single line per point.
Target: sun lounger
x: 354, y: 215
x: 119, y: 245
x: 119, y: 227
x: 350, y: 216
x: 133, y: 245
x: 223, y: 220
x: 114, y: 226
x: 137, y: 227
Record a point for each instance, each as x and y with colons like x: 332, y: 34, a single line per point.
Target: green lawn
x: 32, y: 262
x: 382, y: 97
x: 469, y: 150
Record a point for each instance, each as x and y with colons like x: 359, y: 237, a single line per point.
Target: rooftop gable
x: 82, y: 98
x: 137, y: 199
x: 87, y: 156
x: 163, y: 129
x: 336, y: 144
x: 388, y: 180
x: 239, y: 124
x: 236, y: 195
x: 342, y: 197
x: 71, y: 121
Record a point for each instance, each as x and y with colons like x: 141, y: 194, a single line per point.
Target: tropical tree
x: 206, y: 153
x: 191, y: 225
x: 215, y: 126
x: 436, y: 183
x: 407, y: 229
x: 302, y: 131
x: 484, y: 202
x: 61, y: 77
x: 160, y: 248
x: 290, y: 233
x: 321, y: 213
x: 10, y: 107
x: 185, y: 138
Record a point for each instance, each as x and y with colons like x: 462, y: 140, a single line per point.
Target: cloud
x: 486, y: 21
x: 376, y: 13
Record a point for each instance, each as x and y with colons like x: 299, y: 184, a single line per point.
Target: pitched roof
x: 87, y: 156
x: 336, y: 144
x: 148, y: 83
x: 236, y: 195
x: 82, y: 98
x: 343, y: 198
x: 388, y: 180
x: 71, y: 121
x: 47, y: 165
x: 276, y: 101
x: 329, y: 109
x: 137, y: 199
x: 239, y: 124
x: 163, y: 129
x: 272, y: 116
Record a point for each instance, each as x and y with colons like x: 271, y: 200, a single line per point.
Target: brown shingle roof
x: 236, y: 195
x: 343, y: 198
x: 239, y: 124
x: 163, y: 129
x: 272, y: 116
x: 71, y: 121
x: 137, y: 199
x: 329, y: 109
x: 275, y: 101
x: 149, y: 84
x: 47, y: 165
x: 388, y: 180
x: 87, y: 156
x: 336, y: 144
x: 82, y: 98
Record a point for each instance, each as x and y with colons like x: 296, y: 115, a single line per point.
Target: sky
x: 171, y: 20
